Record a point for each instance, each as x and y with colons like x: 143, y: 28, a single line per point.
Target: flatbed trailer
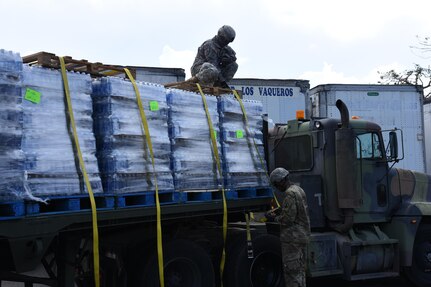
x: 29, y: 240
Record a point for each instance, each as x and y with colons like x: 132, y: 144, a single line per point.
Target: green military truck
x: 368, y: 220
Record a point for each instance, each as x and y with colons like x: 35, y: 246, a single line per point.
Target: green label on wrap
x: 154, y: 106
x: 239, y: 134
x: 32, y: 96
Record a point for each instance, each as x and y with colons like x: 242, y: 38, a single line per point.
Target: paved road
x: 395, y: 282
x: 319, y: 282
x: 392, y: 282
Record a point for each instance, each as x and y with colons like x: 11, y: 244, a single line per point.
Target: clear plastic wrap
x: 192, y: 158
x: 123, y: 154
x: 242, y: 166
x: 51, y: 165
x: 11, y: 120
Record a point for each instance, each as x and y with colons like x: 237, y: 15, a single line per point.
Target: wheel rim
x: 425, y: 259
x: 182, y: 272
x: 266, y: 270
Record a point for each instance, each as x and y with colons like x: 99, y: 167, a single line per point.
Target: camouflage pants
x: 208, y: 74
x: 228, y: 71
x: 293, y: 264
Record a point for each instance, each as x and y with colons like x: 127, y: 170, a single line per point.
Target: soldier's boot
x: 221, y: 84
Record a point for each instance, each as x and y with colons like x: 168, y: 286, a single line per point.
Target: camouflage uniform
x: 294, y: 235
x: 215, y: 62
x: 294, y: 228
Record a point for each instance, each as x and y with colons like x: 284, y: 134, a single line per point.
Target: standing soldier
x: 294, y: 228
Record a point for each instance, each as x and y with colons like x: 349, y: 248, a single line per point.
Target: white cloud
x: 328, y: 75
x: 242, y: 60
x: 177, y: 59
x: 275, y: 38
x: 346, y: 21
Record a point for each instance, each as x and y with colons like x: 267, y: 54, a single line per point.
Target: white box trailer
x: 427, y: 126
x: 281, y: 98
x: 157, y: 75
x: 391, y: 106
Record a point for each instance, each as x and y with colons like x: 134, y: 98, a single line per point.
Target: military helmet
x: 278, y: 174
x: 226, y: 32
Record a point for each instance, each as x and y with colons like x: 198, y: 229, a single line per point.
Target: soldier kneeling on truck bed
x: 294, y: 227
x: 215, y: 62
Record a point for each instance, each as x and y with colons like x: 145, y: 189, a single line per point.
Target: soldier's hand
x: 270, y: 215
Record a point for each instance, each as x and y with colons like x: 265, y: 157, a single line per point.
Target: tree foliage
x: 417, y: 76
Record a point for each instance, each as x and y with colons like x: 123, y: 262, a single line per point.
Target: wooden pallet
x: 190, y: 85
x: 96, y: 69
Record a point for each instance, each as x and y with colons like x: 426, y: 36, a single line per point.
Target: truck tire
x: 186, y: 264
x: 264, y: 270
x: 420, y: 271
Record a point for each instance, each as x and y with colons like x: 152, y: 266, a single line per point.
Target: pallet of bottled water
x: 123, y: 151
x: 242, y: 144
x: 192, y: 159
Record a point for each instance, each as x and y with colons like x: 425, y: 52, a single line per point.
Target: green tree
x: 417, y: 76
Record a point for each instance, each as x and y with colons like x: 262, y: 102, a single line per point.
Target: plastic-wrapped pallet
x: 123, y: 153
x: 243, y: 166
x: 193, y: 162
x: 11, y: 155
x: 52, y: 165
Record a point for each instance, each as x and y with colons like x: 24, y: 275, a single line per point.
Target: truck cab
x: 365, y: 214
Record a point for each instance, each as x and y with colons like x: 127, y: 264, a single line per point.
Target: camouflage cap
x: 278, y: 175
x: 226, y: 32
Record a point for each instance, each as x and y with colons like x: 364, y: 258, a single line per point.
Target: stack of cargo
x: 243, y: 150
x: 51, y: 164
x: 11, y: 156
x: 193, y: 161
x: 123, y: 151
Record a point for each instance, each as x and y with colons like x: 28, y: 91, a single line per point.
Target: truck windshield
x: 368, y: 146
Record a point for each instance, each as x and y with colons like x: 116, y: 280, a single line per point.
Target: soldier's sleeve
x: 211, y: 54
x: 288, y: 211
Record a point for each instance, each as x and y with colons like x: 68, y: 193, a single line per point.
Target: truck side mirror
x: 393, y: 142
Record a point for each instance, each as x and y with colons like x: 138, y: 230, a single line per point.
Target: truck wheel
x: 186, y: 264
x: 420, y: 271
x: 264, y: 270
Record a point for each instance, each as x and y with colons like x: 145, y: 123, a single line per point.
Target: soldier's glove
x: 271, y: 214
x: 276, y: 211
x: 227, y: 56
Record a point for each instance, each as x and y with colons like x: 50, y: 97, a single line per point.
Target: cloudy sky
x: 332, y: 41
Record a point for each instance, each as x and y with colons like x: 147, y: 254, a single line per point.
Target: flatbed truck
x: 368, y: 220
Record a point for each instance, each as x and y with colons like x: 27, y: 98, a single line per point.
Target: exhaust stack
x: 346, y: 164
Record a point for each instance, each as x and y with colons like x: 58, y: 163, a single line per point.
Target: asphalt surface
x: 316, y: 282
x: 392, y: 282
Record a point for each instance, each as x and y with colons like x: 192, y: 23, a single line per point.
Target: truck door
x: 373, y: 174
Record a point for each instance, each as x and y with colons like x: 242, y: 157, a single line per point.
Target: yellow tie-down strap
x: 254, y: 142
x: 217, y: 158
x: 150, y: 147
x: 84, y: 172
